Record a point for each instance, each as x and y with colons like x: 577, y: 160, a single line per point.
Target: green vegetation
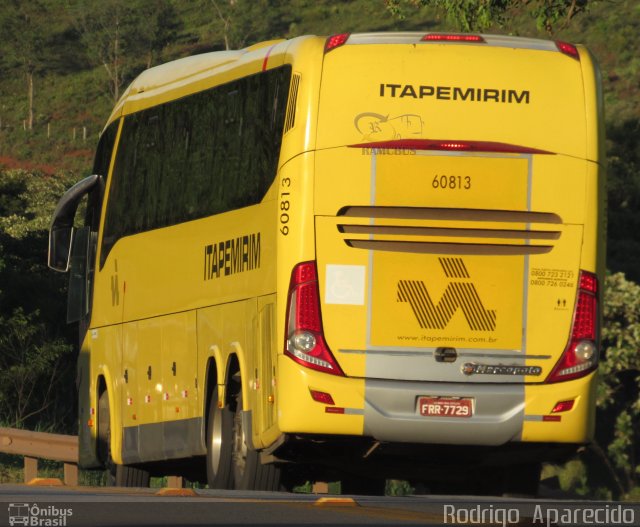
x: 35, y: 354
x: 470, y: 15
x: 62, y: 63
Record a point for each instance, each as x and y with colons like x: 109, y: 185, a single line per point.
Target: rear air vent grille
x: 290, y: 120
x: 447, y: 231
x: 475, y: 237
x: 434, y: 213
x: 448, y: 248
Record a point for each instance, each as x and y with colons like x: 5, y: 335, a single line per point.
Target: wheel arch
x: 104, y: 383
x: 236, y: 364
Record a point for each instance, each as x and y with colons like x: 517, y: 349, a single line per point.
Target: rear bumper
x: 391, y: 413
x: 503, y: 413
x: 387, y: 410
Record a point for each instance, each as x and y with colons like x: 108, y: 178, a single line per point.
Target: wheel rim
x: 216, y: 440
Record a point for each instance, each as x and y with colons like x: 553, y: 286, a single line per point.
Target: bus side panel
x: 266, y: 351
x: 225, y: 258
x: 134, y: 406
x: 180, y: 414
x: 159, y: 401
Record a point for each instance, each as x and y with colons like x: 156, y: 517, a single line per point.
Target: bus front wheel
x: 117, y: 475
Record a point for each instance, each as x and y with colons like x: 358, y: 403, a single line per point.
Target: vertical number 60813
x: 285, y: 205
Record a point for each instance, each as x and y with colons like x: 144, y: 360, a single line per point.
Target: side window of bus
x: 101, y: 167
x: 204, y: 154
x: 83, y: 269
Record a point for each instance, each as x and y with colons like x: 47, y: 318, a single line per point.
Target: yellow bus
x: 358, y: 257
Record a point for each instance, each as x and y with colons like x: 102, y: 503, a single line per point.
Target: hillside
x: 73, y: 94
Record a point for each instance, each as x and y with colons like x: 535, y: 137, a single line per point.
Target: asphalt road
x: 86, y: 506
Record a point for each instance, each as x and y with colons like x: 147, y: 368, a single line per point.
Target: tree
x: 623, y: 192
x: 472, y: 15
x: 99, y: 24
x: 116, y: 34
x: 23, y: 27
x: 104, y: 27
x: 157, y: 24
x: 32, y: 368
x: 36, y: 363
x: 243, y: 22
x: 619, y: 390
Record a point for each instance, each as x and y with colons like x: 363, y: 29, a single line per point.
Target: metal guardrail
x: 34, y: 445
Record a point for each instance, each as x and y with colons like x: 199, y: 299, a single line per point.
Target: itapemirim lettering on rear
x: 455, y: 93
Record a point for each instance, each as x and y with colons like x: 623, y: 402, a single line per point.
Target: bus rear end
x: 458, y: 212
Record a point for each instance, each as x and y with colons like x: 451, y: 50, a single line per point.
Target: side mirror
x: 61, y: 231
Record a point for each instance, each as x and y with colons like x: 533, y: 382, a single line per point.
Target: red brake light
x: 568, y: 49
x: 589, y: 282
x: 580, y: 357
x: 335, y: 41
x: 584, y: 322
x: 322, y: 397
x: 305, y: 339
x: 451, y: 37
x: 458, y: 146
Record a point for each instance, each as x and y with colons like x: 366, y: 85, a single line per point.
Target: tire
x: 104, y: 430
x: 117, y: 475
x: 248, y: 472
x: 219, y: 442
x: 127, y: 476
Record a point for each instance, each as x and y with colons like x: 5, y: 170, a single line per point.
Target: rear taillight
x: 305, y: 340
x: 580, y: 357
x: 335, y: 41
x: 568, y: 49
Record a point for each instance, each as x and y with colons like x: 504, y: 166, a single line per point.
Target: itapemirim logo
x: 38, y: 516
x: 460, y: 294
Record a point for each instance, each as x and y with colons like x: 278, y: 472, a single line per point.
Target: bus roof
x: 184, y: 69
x: 190, y: 74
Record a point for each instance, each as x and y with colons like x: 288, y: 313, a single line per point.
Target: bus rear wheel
x: 117, y: 475
x: 248, y: 471
x: 219, y: 438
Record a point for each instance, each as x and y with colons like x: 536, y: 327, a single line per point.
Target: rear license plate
x: 445, y: 406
